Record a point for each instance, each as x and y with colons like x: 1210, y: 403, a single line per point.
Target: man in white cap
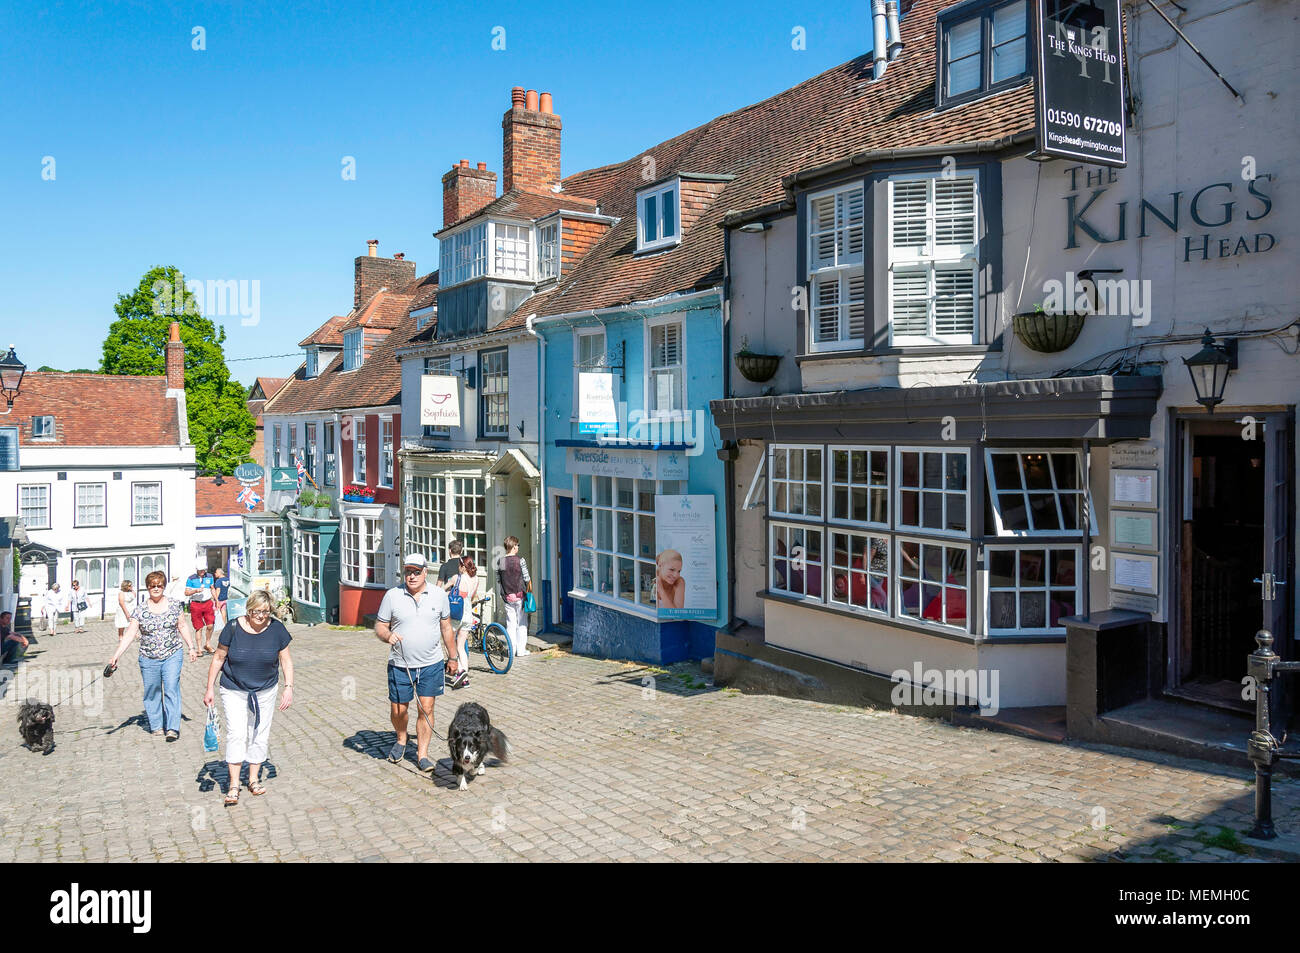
x: 198, y: 589
x: 415, y: 620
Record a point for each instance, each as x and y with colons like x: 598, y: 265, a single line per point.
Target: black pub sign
x: 1080, y: 87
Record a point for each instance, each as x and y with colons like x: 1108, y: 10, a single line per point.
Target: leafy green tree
x: 221, y: 428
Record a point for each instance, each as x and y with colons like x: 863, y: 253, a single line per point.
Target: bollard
x: 1262, y: 745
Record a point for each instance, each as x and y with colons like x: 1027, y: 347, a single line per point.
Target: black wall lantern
x: 1209, y: 368
x: 11, y: 377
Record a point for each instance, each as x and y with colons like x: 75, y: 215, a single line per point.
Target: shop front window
x: 615, y: 537
x: 892, y: 528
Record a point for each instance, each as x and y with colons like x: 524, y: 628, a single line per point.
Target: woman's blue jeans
x: 162, y: 690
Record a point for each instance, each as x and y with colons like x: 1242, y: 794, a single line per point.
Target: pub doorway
x: 1234, y: 527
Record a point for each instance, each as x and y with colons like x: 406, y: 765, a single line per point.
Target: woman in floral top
x: 161, y: 625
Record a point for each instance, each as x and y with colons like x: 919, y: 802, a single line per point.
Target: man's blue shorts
x: 428, y: 682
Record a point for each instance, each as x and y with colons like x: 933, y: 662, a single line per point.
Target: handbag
x: 456, y: 600
x: 213, y: 726
x: 530, y: 604
x: 82, y: 605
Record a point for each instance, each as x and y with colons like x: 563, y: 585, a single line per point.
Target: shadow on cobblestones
x: 215, y: 775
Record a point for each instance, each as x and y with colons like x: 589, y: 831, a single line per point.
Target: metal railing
x: 1263, y: 749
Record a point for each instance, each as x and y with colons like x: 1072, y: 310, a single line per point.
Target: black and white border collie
x: 470, y: 738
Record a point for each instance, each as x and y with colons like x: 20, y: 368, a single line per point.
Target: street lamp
x: 1209, y: 368
x: 11, y: 378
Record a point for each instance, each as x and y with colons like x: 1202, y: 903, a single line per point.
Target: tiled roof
x: 424, y: 291
x: 376, y: 383
x: 96, y: 410
x: 213, y: 500
x: 528, y: 205
x: 385, y: 310
x: 830, y: 117
x: 270, y: 385
x: 330, y: 333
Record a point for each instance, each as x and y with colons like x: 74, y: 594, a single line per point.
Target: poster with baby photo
x: 686, y: 568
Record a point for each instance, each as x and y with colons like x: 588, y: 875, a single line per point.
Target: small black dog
x: 470, y: 738
x: 36, y: 725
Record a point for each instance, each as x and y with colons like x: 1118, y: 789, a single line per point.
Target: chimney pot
x: 372, y: 247
x: 516, y: 97
x: 173, y: 334
x: 545, y: 103
x: 400, y: 255
x: 464, y: 163
x: 530, y: 103
x: 482, y: 166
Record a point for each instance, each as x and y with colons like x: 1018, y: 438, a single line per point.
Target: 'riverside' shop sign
x: 635, y: 464
x: 1080, y: 89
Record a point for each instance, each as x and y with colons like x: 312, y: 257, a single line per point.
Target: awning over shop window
x: 1100, y: 408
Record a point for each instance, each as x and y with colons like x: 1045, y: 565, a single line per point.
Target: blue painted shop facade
x: 635, y: 490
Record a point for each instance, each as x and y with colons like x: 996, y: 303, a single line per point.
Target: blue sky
x: 227, y: 161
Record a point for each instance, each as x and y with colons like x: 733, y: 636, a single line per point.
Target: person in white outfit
x: 125, y: 606
x: 250, y: 652
x: 54, y: 604
x: 77, y: 599
x: 512, y: 582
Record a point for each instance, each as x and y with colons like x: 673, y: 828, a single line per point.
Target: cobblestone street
x: 610, y: 761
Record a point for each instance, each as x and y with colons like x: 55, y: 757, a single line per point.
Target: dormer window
x: 982, y: 49
x: 352, y: 348
x: 43, y: 428
x: 657, y: 218
x: 313, y: 363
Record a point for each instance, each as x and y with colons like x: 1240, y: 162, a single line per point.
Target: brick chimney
x: 530, y: 137
x: 466, y: 190
x: 372, y: 273
x: 175, y: 358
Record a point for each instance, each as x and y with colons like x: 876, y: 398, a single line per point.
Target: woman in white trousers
x: 54, y: 601
x: 250, y: 653
x: 513, y: 582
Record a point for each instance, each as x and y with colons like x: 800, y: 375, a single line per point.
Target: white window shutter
x: 826, y: 310
x: 857, y: 306
x: 954, y: 211
x: 908, y: 200
x: 910, y: 300
x: 954, y: 301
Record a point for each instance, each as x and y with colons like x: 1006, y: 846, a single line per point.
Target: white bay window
x: 889, y: 532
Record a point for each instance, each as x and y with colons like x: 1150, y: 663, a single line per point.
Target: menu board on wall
x: 1133, y: 488
x: 1135, y: 539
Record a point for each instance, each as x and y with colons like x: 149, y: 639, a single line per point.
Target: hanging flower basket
x: 1045, y: 332
x: 757, y: 367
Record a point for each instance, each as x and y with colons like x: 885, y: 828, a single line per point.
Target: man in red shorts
x: 198, y: 589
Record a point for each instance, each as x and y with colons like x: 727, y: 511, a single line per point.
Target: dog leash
x: 415, y: 694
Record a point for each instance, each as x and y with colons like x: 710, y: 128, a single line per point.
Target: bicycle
x: 492, y: 640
